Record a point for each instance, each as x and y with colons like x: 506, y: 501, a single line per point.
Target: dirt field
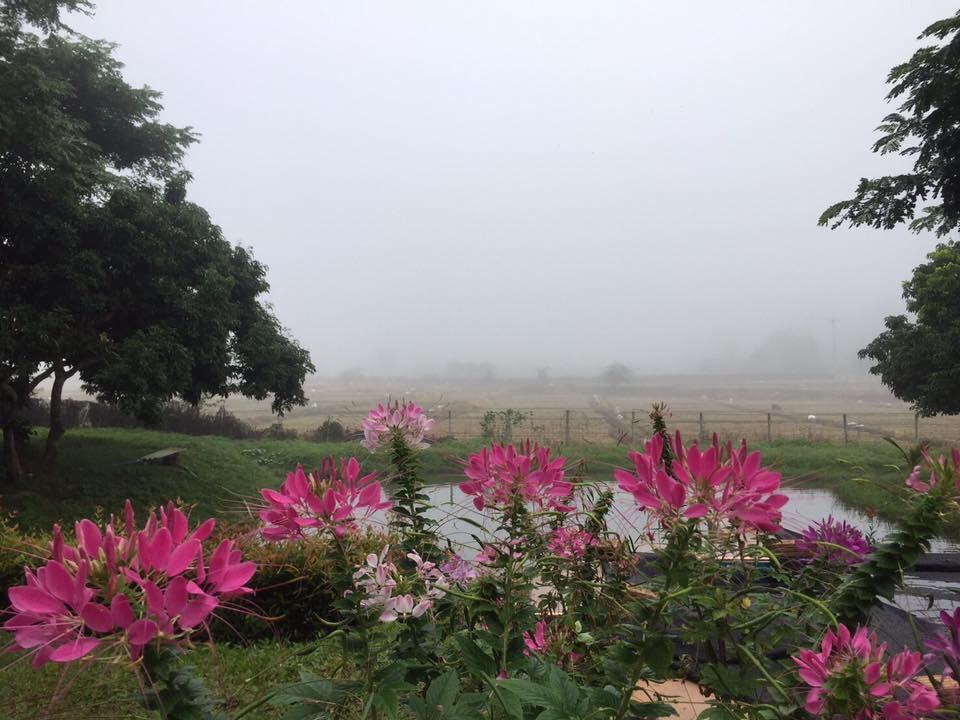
x: 583, y: 410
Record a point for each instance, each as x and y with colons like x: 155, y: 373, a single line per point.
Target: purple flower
x: 836, y: 543
x: 458, y: 570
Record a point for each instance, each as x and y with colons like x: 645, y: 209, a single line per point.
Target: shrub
x: 329, y: 430
x: 293, y: 589
x: 17, y: 551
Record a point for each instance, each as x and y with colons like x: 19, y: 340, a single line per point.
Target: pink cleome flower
x: 570, y: 543
x: 404, y: 419
x: 500, y: 475
x: 730, y: 487
x: 542, y: 642
x: 852, y: 546
x: 333, y: 500
x: 379, y: 579
x: 124, y: 587
x: 947, y: 645
x: 940, y: 470
x: 849, y: 678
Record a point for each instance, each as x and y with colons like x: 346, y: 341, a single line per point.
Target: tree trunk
x: 56, y: 416
x: 9, y: 404
x: 11, y: 459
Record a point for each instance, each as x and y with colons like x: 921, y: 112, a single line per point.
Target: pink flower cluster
x: 947, y: 645
x: 851, y: 546
x: 333, y: 500
x: 570, y: 543
x: 940, y: 471
x: 730, y: 487
x: 543, y: 642
x: 404, y: 419
x: 501, y: 475
x: 124, y: 587
x: 377, y: 580
x: 849, y: 678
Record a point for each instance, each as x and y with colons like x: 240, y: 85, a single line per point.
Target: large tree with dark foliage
x: 106, y: 270
x: 918, y: 358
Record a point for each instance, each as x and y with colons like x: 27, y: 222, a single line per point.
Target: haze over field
x: 543, y: 184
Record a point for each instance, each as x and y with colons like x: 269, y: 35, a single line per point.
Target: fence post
x: 769, y: 429
x: 633, y: 427
x: 566, y: 427
x: 450, y: 423
x: 916, y: 428
x: 845, y: 438
x: 703, y: 437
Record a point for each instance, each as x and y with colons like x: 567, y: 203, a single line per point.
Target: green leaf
x: 418, y: 707
x: 565, y: 692
x: 443, y: 691
x: 658, y: 654
x: 476, y: 660
x: 529, y: 692
x: 508, y: 700
x: 651, y: 710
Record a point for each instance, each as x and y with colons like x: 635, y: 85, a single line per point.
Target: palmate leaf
x: 443, y: 701
x: 563, y: 690
x: 529, y: 692
x: 557, y: 694
x: 389, y: 686
x: 651, y: 710
x: 477, y: 662
x: 313, y: 697
x: 443, y: 690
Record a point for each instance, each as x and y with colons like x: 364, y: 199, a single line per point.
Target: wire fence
x: 602, y: 425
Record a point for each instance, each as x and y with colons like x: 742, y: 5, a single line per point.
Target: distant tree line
x: 181, y: 417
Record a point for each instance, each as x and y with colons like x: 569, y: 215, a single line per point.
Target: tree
x: 617, y: 374
x: 926, y: 128
x: 918, y: 359
x: 106, y: 271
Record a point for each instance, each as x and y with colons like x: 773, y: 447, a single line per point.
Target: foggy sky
x: 558, y: 184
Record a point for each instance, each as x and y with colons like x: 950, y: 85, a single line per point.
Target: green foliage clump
x: 294, y: 588
x: 917, y: 358
x: 498, y: 425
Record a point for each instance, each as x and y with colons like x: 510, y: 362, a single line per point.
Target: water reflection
x: 459, y: 519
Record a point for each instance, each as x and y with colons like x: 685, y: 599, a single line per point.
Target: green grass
x: 218, y: 474
x: 237, y: 675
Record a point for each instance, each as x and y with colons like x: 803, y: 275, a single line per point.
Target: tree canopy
x: 106, y: 270
x: 926, y: 129
x: 919, y: 358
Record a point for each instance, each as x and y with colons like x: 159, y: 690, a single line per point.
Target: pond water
x: 459, y: 519
x: 924, y: 596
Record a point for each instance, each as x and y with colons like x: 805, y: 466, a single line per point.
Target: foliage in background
x: 498, y: 425
x: 917, y: 359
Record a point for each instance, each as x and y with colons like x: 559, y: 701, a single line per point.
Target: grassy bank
x: 239, y: 675
x: 96, y: 469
